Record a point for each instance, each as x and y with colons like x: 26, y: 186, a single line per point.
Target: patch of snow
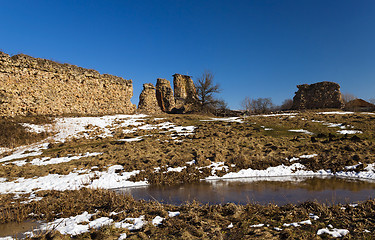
x: 257, y: 225
x: 293, y: 159
x: 309, y: 156
x: 314, y: 217
x: 349, y: 131
x: 228, y: 119
x: 297, y: 224
x: 26, y: 151
x: 295, y: 169
x: 173, y: 214
x: 191, y: 162
x: 334, y: 232
x: 48, y: 160
x: 36, y: 128
x: 230, y: 225
x: 7, y: 238
x: 157, y: 220
x: 75, y: 126
x: 69, y: 225
x: 278, y: 229
x: 353, y: 205
x: 301, y: 131
x: 353, y: 166
x: 176, y: 169
x: 122, y: 236
x: 136, y: 223
x: 136, y: 139
x: 74, y: 180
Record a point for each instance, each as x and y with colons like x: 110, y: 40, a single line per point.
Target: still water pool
x: 278, y: 190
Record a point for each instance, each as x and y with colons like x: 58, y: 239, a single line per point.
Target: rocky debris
x: 147, y: 100
x: 185, y: 93
x: 318, y: 95
x: 164, y: 95
x: 30, y: 86
x: 359, y: 105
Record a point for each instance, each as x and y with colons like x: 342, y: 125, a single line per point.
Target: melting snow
x: 297, y: 224
x: 301, y: 131
x: 349, y: 131
x: 334, y: 232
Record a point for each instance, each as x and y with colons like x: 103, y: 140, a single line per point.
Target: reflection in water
x: 278, y: 190
x: 17, y: 229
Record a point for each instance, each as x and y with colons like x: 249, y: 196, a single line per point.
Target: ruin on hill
x: 318, y: 95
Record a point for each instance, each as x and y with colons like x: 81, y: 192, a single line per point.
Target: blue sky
x: 257, y: 49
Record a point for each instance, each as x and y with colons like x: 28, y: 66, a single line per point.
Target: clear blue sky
x: 260, y: 48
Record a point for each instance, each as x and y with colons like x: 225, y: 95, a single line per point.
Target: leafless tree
x: 205, y: 90
x: 347, y: 97
x: 259, y: 105
x: 287, y: 104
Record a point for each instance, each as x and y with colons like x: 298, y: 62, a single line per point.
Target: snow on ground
x: 81, y: 223
x: 349, y: 131
x: 297, y: 224
x: 334, y: 232
x: 301, y: 131
x: 296, y: 170
x: 48, y: 160
x: 26, y: 151
x: 74, y: 180
x: 79, y: 127
x: 74, y: 126
x: 228, y: 119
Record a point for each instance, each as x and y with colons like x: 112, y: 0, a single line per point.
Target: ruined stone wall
x: 147, y: 100
x: 38, y: 86
x: 185, y: 93
x: 164, y: 95
x: 318, y: 95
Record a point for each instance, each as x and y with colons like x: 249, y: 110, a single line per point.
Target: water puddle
x: 17, y: 230
x: 278, y: 190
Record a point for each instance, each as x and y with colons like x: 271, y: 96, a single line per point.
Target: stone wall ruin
x: 147, y: 100
x: 38, y: 86
x: 185, y: 93
x: 318, y: 95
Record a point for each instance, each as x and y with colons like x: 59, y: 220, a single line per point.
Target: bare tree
x: 347, y: 97
x: 205, y: 91
x: 259, y: 105
x: 287, y: 104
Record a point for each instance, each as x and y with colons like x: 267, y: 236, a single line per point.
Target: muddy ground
x: 258, y: 143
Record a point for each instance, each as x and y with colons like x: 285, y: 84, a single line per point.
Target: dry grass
x: 13, y: 134
x: 247, y: 145
x: 196, y: 221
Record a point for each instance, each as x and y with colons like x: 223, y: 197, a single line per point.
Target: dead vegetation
x: 196, y: 221
x: 13, y: 134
